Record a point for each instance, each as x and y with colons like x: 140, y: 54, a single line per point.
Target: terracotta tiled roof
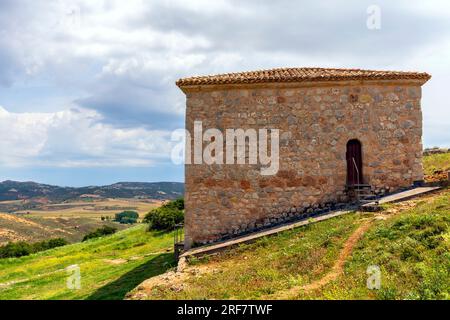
x: 300, y: 75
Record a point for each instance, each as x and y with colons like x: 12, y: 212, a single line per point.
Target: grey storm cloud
x: 124, y: 57
x: 127, y: 105
x: 325, y: 28
x: 9, y: 67
x: 258, y: 34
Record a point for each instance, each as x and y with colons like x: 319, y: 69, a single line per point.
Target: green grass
x: 268, y: 265
x: 436, y: 163
x: 412, y: 251
x: 43, y: 275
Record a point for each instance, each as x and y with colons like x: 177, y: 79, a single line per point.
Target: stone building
x: 338, y: 128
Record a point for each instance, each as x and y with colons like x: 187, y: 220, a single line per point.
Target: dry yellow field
x: 70, y: 220
x: 91, y: 208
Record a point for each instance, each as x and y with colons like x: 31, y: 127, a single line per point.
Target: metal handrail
x: 357, y: 170
x: 357, y: 178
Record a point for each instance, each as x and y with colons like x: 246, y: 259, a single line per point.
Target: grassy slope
x: 412, y: 250
x: 268, y: 265
x: 436, y: 163
x: 144, y: 255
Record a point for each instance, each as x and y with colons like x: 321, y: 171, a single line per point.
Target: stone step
x: 367, y: 201
x: 370, y: 207
x: 361, y: 185
x: 365, y: 192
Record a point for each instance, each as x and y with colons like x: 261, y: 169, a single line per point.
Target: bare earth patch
x: 175, y: 280
x: 115, y: 261
x: 11, y: 234
x: 14, y: 218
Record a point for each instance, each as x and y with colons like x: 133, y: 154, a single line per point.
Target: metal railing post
x: 357, y: 178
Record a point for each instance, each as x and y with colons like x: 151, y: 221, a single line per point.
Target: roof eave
x: 221, y: 86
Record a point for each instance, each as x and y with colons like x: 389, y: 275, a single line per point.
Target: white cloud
x: 123, y: 57
x: 76, y: 138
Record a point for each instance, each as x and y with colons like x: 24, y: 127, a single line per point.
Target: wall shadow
x: 117, y: 289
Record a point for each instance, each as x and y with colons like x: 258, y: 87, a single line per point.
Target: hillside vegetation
x: 13, y: 190
x: 409, y: 242
x: 436, y: 166
x: 69, y: 220
x: 110, y: 267
x: 15, y: 228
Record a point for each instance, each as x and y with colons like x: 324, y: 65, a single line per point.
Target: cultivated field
x: 91, y: 208
x: 69, y: 220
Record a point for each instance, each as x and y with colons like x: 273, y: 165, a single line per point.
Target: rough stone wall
x: 315, y: 124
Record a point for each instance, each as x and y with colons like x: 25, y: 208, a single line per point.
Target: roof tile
x: 300, y: 75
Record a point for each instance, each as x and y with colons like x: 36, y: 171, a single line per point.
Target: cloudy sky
x: 87, y: 93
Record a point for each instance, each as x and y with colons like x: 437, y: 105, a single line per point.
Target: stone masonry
x: 316, y: 117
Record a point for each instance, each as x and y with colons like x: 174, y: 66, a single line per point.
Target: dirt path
x: 108, y: 261
x: 347, y: 250
x: 176, y: 280
x: 336, y: 270
x: 38, y: 276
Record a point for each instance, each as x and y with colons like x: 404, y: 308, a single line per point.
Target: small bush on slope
x: 22, y: 248
x: 127, y: 217
x: 167, y: 216
x: 100, y: 232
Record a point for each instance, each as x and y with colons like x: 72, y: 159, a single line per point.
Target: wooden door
x: 354, y: 162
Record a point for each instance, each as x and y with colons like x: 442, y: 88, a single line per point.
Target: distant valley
x: 31, y: 211
x: 13, y: 190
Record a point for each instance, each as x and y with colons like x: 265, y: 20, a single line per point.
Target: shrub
x: 387, y: 294
x: 100, y: 232
x: 178, y: 204
x: 49, y: 244
x: 15, y: 249
x: 167, y: 216
x: 22, y: 248
x: 127, y: 217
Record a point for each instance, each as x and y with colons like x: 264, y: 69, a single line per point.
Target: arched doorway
x: 354, y: 162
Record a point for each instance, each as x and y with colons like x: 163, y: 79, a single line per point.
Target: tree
x: 127, y: 217
x: 103, y: 231
x: 167, y: 216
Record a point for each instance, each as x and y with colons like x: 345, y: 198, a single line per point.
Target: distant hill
x: 13, y: 190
